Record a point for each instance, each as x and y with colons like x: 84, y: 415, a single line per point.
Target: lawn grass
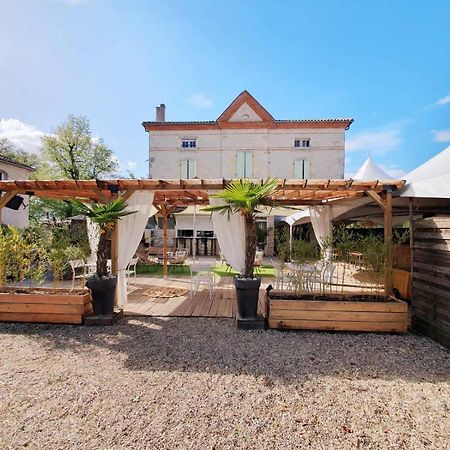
x: 183, y: 271
x: 261, y: 271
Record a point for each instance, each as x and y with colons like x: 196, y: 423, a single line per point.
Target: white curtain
x: 230, y: 233
x: 130, y: 231
x: 321, y: 217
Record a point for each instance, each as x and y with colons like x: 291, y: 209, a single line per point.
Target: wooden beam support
x: 388, y: 243
x: 377, y: 198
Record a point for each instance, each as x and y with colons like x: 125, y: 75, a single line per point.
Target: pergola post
x: 388, y: 242
x: 115, y: 256
x: 165, y: 223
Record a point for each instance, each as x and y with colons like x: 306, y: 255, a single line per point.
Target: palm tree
x: 246, y: 198
x: 105, y: 215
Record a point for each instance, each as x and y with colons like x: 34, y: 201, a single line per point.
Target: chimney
x: 161, y: 113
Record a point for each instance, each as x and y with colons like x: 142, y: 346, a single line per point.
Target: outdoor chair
x: 178, y: 259
x: 201, y: 274
x: 131, y: 269
x: 76, y: 265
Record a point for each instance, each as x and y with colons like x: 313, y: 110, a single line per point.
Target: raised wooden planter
x: 44, y: 305
x: 285, y: 312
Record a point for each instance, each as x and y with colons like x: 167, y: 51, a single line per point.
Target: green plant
x: 303, y: 251
x: 21, y: 258
x: 246, y: 197
x: 105, y: 215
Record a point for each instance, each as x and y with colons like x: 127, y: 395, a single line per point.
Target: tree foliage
x: 75, y: 154
x: 10, y: 151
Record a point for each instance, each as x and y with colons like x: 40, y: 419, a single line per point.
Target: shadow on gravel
x: 215, y: 346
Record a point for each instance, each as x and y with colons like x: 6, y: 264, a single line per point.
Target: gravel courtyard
x: 201, y: 384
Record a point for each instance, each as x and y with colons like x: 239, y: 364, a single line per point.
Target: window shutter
x: 240, y: 165
x: 192, y: 169
x: 248, y: 164
x: 183, y: 169
x: 298, y: 169
x: 306, y: 169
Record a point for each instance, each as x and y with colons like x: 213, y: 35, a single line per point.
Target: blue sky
x: 384, y: 63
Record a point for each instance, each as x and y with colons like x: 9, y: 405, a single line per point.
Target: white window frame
x: 191, y: 143
x: 303, y: 142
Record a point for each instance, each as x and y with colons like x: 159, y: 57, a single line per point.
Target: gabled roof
x: 257, y: 117
x: 241, y: 99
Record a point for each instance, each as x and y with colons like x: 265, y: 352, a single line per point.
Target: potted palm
x: 102, y: 284
x: 246, y: 197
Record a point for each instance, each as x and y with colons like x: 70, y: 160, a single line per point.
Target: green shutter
x: 183, y: 169
x: 248, y: 164
x: 298, y: 169
x: 192, y: 169
x: 306, y: 169
x: 240, y: 165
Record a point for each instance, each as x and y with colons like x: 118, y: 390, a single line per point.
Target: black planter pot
x: 102, y: 291
x: 247, y: 292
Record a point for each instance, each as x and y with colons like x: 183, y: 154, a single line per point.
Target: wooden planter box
x: 336, y: 315
x: 44, y: 305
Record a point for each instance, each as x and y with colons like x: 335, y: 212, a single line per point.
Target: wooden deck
x: 221, y: 303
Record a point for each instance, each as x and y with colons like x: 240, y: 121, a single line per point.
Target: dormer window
x: 301, y: 143
x: 188, y: 143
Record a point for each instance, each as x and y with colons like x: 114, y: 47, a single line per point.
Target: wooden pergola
x: 172, y: 193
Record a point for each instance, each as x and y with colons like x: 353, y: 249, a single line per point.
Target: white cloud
x: 24, y: 136
x: 441, y: 135
x: 130, y: 165
x: 200, y: 101
x: 375, y: 141
x: 443, y: 100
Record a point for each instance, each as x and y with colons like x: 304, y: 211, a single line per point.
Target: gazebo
x: 172, y: 193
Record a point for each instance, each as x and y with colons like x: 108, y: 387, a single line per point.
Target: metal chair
x: 201, y: 274
x: 74, y: 265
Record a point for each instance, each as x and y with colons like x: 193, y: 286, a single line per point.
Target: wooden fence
x: 431, y: 278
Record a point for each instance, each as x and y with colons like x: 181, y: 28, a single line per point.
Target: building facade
x: 11, y: 170
x: 245, y: 141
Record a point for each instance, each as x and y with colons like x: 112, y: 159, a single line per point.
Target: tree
x: 74, y: 154
x: 10, y: 151
x: 246, y: 197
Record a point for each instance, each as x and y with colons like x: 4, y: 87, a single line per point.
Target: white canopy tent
x: 431, y: 179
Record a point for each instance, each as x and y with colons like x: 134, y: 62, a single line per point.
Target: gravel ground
x: 201, y: 384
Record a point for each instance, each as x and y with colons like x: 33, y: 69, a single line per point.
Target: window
x: 3, y: 175
x: 301, y: 143
x: 188, y: 143
x: 244, y: 165
x: 188, y: 169
x: 302, y: 169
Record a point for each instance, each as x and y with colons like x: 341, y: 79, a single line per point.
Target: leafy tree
x: 74, y: 154
x: 10, y: 151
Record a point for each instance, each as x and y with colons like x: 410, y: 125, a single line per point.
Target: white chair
x: 77, y: 264
x: 201, y: 274
x: 131, y: 269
